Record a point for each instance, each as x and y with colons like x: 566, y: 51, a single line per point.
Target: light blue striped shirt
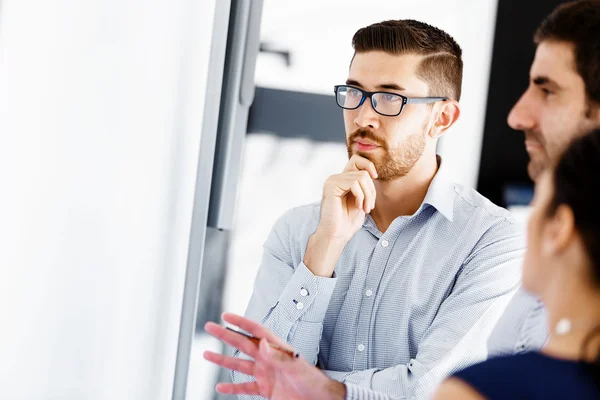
x: 406, y: 307
x: 522, y: 328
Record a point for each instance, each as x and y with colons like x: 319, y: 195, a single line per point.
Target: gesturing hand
x: 278, y: 376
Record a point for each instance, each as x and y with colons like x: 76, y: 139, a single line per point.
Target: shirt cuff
x: 307, y: 296
x: 361, y: 378
x: 354, y: 392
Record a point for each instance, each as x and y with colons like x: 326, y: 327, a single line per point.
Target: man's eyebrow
x: 544, y: 80
x: 392, y: 86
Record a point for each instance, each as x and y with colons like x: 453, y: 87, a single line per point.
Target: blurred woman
x: 562, y: 267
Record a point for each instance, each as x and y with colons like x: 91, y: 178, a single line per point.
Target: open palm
x: 277, y: 375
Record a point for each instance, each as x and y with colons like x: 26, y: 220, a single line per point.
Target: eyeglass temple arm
x: 424, y: 100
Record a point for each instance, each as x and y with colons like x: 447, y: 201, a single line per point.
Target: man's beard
x: 535, y: 168
x: 554, y: 149
x: 394, y: 163
x: 539, y: 164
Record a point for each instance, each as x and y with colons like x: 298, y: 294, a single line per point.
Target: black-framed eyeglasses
x: 384, y: 103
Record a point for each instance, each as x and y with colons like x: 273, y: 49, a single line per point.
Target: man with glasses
x: 398, y: 276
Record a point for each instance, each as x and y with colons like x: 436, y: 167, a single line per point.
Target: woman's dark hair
x: 577, y: 185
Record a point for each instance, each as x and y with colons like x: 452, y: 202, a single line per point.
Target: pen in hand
x: 256, y: 341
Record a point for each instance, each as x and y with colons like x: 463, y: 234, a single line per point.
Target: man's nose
x: 366, y: 115
x: 521, y: 116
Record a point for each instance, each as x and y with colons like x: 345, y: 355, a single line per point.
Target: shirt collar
x: 441, y: 192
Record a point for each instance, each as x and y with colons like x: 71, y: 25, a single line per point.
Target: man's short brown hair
x: 578, y: 22
x: 442, y: 66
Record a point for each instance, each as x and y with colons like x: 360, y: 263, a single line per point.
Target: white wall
x: 319, y: 33
x: 100, y: 117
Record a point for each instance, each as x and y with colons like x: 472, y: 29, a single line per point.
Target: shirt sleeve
x: 523, y: 327
x: 458, y: 335
x: 288, y: 299
x: 355, y: 392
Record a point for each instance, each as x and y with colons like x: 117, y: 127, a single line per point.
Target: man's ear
x: 446, y: 117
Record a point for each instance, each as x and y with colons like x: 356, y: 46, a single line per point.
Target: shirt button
x: 368, y: 293
x: 304, y: 292
x: 299, y: 305
x: 361, y: 347
x: 385, y: 243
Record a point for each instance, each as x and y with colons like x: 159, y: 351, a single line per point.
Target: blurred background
x: 148, y: 148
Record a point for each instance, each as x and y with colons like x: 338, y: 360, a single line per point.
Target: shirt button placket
x: 373, y: 276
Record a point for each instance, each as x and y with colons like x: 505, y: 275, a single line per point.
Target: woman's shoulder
x: 514, y: 362
x: 530, y: 375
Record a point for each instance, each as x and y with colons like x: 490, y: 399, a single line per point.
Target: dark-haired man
x: 399, y: 275
x: 563, y: 96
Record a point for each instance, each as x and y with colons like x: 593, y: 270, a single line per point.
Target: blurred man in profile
x: 399, y: 275
x: 563, y: 96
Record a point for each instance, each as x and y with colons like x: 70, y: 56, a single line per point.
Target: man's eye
x: 546, y: 92
x: 354, y: 93
x: 390, y: 97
